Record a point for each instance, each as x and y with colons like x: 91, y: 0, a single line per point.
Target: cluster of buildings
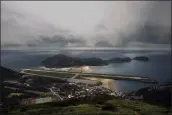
x: 77, y: 90
x: 65, y: 91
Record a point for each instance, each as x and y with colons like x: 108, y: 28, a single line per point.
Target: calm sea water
x: 158, y: 68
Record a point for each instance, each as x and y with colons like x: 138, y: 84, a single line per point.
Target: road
x: 55, y: 93
x: 75, y: 76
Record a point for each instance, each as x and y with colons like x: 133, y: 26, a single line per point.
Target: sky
x: 110, y: 23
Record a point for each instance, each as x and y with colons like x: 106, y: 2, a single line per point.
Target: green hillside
x: 111, y: 107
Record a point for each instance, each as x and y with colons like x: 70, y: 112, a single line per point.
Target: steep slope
x: 8, y: 74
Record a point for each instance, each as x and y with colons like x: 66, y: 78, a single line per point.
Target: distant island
x: 79, y: 97
x: 61, y: 60
x: 66, y: 61
x: 119, y: 60
x: 141, y: 58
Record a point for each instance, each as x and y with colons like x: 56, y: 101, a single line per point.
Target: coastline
x: 107, y: 83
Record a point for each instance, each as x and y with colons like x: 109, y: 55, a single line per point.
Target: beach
x: 107, y: 83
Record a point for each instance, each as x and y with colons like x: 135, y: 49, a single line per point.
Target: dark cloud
x: 56, y: 40
x: 159, y: 13
x: 101, y: 27
x: 152, y: 24
x: 31, y: 45
x: 156, y: 25
x: 103, y: 44
x: 11, y: 45
x: 19, y: 27
x: 149, y: 33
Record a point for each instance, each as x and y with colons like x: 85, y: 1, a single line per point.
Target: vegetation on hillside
x: 110, y: 107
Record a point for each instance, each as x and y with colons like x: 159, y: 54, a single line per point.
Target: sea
x: 158, y: 67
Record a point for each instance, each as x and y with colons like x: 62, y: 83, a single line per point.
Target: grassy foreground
x: 111, y: 107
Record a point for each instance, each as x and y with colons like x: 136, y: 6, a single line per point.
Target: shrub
x: 108, y: 107
x: 100, y: 102
x: 23, y: 109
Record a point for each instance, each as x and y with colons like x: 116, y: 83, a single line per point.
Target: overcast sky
x: 95, y: 18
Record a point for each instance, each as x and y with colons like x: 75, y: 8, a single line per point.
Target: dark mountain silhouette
x: 8, y: 74
x: 62, y: 60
